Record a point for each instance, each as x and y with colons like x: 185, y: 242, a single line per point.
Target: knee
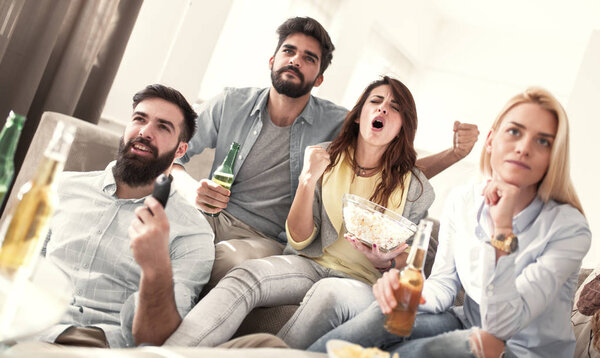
x: 485, y: 345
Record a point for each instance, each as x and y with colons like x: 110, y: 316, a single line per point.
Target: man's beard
x: 135, y: 170
x: 288, y: 88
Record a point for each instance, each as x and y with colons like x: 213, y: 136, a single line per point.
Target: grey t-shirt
x: 260, y: 196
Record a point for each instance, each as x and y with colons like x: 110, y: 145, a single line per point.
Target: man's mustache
x: 293, y: 69
x: 143, y: 141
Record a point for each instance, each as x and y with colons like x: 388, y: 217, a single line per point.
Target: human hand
x: 502, y: 198
x: 211, y: 197
x: 465, y: 136
x: 373, y: 254
x: 316, y: 160
x: 149, y: 236
x: 384, y: 289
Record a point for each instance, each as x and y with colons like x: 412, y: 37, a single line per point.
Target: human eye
x: 513, y: 131
x: 310, y: 59
x: 544, y: 142
x: 396, y: 108
x: 137, y: 119
x: 164, y: 127
x: 287, y: 50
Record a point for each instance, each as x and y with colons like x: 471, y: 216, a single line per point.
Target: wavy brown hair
x: 400, y: 156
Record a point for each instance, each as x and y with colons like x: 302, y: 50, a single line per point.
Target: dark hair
x: 400, y: 156
x: 309, y: 27
x: 174, y: 96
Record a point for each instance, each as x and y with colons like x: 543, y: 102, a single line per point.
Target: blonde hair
x: 556, y: 184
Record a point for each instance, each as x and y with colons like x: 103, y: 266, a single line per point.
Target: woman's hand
x: 316, y: 160
x: 377, y: 258
x: 502, y: 199
x: 384, y: 288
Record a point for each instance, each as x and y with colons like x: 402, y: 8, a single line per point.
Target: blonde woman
x: 514, y: 243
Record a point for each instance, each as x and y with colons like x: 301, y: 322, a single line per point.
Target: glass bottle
x: 408, y: 294
x: 9, y: 138
x: 28, y: 223
x: 223, y: 175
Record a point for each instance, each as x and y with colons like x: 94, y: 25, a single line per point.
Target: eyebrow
x: 540, y: 133
x: 160, y: 120
x: 310, y: 53
x: 381, y: 97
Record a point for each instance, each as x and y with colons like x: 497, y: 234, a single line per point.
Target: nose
x: 524, y: 147
x: 145, y: 132
x: 294, y: 62
x: 382, y: 109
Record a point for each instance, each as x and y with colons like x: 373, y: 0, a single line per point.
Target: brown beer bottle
x: 408, y: 294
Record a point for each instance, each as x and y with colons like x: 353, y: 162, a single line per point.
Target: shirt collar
x: 307, y: 114
x: 109, y: 184
x: 520, y: 222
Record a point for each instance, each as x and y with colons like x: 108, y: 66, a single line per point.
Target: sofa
x: 93, y: 148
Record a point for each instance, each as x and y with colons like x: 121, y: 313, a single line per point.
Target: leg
x: 236, y: 242
x: 258, y: 340
x: 367, y: 329
x: 264, y: 282
x: 448, y: 345
x: 329, y: 303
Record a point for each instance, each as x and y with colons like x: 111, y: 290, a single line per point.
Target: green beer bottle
x: 9, y: 137
x: 223, y: 175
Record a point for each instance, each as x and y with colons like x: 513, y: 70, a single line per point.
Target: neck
x: 526, y: 196
x: 368, y: 156
x: 283, y: 110
x: 125, y: 191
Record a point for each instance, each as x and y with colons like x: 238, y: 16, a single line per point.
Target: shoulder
x: 420, y: 188
x: 327, y: 109
x: 564, y: 220
x: 243, y: 94
x: 67, y: 181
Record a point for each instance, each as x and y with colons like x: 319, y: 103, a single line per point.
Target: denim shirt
x: 234, y: 115
x: 526, y: 297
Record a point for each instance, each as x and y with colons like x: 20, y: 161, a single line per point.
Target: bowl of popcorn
x: 372, y: 224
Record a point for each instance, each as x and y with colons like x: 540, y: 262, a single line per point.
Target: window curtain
x: 60, y: 55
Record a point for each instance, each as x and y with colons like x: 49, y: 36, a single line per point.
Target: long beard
x: 288, y: 88
x: 136, y: 171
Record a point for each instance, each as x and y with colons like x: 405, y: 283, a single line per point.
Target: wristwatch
x: 507, y: 243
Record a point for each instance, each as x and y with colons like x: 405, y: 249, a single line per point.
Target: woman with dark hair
x: 373, y: 157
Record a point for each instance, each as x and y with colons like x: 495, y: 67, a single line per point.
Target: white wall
x: 584, y: 115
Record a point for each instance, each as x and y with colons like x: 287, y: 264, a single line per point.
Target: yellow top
x: 340, y: 255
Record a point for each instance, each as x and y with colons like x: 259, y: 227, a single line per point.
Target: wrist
x: 308, y: 180
x: 387, y: 267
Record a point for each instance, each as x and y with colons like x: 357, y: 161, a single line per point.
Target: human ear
x: 488, y: 141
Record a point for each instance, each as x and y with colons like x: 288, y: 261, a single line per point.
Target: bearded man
x: 136, y: 268
x: 274, y: 126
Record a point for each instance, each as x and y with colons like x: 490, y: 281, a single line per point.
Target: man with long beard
x: 273, y: 126
x: 135, y: 267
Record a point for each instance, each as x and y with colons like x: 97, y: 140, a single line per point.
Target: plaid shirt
x: 89, y: 241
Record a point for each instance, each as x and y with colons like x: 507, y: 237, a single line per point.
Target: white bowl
x: 373, y: 224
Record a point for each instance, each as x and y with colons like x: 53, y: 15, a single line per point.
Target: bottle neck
x: 9, y: 138
x: 418, y: 250
x: 230, y: 159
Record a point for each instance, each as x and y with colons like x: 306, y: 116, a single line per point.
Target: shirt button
x: 78, y: 292
x: 491, y: 287
x: 85, y: 265
x: 254, y: 132
x: 99, y: 232
x: 490, y: 294
x: 240, y: 157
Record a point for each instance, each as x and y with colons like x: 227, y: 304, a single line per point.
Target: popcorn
x: 374, y: 227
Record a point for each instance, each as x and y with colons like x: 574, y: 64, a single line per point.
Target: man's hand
x: 212, y: 194
x: 465, y: 136
x: 149, y: 236
x: 316, y: 160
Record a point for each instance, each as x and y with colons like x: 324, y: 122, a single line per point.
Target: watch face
x: 514, y: 244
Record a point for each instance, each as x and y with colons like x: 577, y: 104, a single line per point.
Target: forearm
x: 156, y: 316
x: 300, y: 221
x: 184, y: 183
x: 436, y: 163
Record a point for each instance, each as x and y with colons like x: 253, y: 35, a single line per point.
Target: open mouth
x: 377, y: 123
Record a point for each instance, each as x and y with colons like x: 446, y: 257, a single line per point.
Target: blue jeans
x: 433, y: 335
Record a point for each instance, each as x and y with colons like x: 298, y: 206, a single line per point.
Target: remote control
x: 162, y: 187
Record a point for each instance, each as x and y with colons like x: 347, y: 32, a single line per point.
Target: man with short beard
x: 135, y: 267
x: 273, y: 127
